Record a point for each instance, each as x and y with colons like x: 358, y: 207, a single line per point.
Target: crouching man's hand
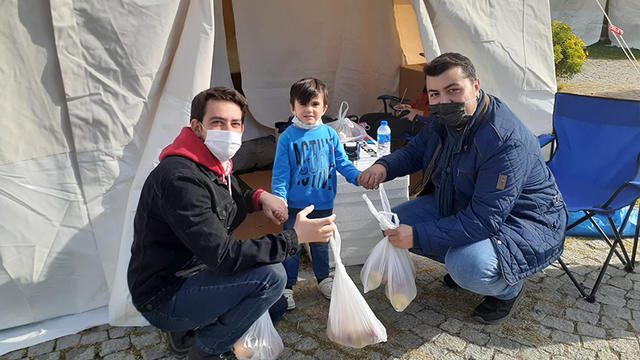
x: 313, y: 230
x: 401, y: 237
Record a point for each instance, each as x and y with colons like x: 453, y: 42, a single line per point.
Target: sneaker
x: 179, y: 342
x: 325, y: 287
x: 291, y: 304
x: 448, y: 280
x: 493, y: 310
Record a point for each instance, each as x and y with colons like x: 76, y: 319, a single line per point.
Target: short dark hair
x: 221, y: 93
x: 306, y: 89
x: 448, y: 60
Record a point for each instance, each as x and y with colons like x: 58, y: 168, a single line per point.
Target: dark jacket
x: 504, y: 191
x: 185, y: 218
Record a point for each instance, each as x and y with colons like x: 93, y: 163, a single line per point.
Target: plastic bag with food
x: 351, y: 321
x: 391, y: 265
x: 260, y: 342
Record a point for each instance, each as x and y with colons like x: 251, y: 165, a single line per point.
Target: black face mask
x: 451, y: 114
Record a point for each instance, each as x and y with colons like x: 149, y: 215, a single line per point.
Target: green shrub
x: 568, y: 50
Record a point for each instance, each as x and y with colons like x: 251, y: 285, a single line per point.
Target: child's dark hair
x: 306, y: 89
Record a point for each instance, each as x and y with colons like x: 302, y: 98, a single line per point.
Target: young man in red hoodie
x: 188, y: 275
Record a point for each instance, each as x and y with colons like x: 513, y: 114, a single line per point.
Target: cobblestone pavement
x: 551, y: 321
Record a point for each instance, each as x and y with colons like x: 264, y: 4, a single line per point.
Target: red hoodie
x: 188, y: 145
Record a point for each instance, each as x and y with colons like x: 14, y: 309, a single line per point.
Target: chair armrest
x: 545, y: 139
x: 387, y: 100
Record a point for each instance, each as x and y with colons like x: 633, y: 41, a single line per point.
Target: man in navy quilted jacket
x: 488, y: 206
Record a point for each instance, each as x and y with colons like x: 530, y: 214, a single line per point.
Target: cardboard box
x: 412, y: 79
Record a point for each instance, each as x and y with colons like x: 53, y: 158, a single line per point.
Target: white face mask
x: 223, y: 144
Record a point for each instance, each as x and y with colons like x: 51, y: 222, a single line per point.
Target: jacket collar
x: 188, y: 145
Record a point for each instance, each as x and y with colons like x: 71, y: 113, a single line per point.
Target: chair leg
x: 619, y: 241
x: 606, y: 239
x: 573, y: 279
x: 632, y: 263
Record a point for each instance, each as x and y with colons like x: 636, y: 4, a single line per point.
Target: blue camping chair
x: 596, y: 162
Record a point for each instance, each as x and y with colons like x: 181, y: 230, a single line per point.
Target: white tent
x: 586, y: 18
x: 94, y: 90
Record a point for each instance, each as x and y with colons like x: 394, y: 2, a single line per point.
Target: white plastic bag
x: 351, y: 321
x: 260, y: 342
x: 347, y: 130
x: 388, y: 264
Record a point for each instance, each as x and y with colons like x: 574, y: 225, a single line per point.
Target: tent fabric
x: 351, y: 45
x: 510, y: 44
x: 94, y: 91
x: 189, y: 74
x: 625, y: 14
x: 583, y: 16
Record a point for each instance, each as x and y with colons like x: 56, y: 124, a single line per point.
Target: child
x: 304, y: 173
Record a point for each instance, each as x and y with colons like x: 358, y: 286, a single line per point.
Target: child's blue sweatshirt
x: 304, y: 170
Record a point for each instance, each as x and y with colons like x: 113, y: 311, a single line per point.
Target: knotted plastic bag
x: 260, y: 342
x: 387, y: 264
x: 347, y: 130
x: 351, y: 321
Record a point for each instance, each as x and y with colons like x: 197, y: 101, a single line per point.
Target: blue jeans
x: 319, y: 251
x: 474, y: 267
x: 222, y: 307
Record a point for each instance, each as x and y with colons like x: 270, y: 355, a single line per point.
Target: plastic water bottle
x: 384, y: 139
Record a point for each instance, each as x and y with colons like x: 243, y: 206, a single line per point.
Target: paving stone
x: 590, y: 330
x: 625, y: 346
x: 598, y: 345
x: 609, y: 322
x: 615, y: 311
x: 40, y: 349
x: 606, y: 355
x: 501, y: 356
x: 621, y: 282
x: 141, y: 341
x: 593, y: 307
x: 532, y: 354
x: 121, y: 356
x: 580, y: 353
x: 548, y: 308
x: 86, y: 353
x: 50, y: 356
x: 326, y: 354
x: 452, y: 325
x: 452, y: 356
x: 566, y: 338
x: 115, y: 345
x: 504, y: 345
x: 474, y: 336
x: 450, y: 342
x: 15, y: 355
x: 582, y: 316
x: 94, y: 337
x: 432, y: 350
x: 305, y: 344
x: 476, y: 352
x: 119, y: 331
x: 408, y: 322
x: 68, y: 341
x: 154, y: 352
x: 558, y: 323
x: 430, y: 317
x: 425, y: 331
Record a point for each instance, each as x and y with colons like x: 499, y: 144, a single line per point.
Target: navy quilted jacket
x: 504, y: 191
